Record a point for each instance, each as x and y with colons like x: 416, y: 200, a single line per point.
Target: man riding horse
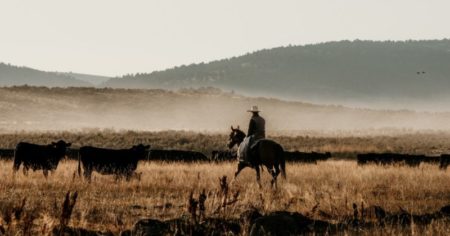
x: 256, y: 132
x: 254, y: 150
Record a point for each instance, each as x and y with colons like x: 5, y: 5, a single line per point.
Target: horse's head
x: 236, y: 137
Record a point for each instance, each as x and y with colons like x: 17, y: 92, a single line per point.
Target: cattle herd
x: 410, y: 160
x: 123, y: 162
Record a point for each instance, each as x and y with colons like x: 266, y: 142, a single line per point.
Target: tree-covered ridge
x: 14, y: 75
x: 334, y: 71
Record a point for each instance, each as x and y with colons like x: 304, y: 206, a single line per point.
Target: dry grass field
x: 324, y: 191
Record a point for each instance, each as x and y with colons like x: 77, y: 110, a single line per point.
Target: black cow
x: 39, y: 157
x: 6, y: 154
x: 118, y: 162
x: 176, y: 155
x: 218, y: 155
x: 306, y: 157
x: 390, y: 159
x: 432, y: 159
x: 445, y: 161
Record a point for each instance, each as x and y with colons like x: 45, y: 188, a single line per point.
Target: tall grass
x: 325, y: 191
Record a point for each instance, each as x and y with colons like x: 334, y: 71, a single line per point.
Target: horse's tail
x: 282, y: 161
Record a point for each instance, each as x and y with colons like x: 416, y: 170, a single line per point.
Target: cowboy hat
x: 254, y: 109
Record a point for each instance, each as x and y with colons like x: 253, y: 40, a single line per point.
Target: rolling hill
x: 409, y: 74
x: 15, y: 76
x: 92, y: 79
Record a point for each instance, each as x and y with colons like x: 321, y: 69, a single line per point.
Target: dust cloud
x: 201, y: 110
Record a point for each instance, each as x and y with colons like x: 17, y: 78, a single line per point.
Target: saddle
x: 245, y: 149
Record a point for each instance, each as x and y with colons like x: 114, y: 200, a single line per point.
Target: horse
x: 265, y: 153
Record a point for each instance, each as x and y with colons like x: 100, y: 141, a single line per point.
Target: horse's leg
x: 258, y: 176
x: 275, y: 172
x: 241, y: 166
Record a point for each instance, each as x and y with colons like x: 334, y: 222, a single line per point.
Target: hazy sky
x: 111, y: 37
